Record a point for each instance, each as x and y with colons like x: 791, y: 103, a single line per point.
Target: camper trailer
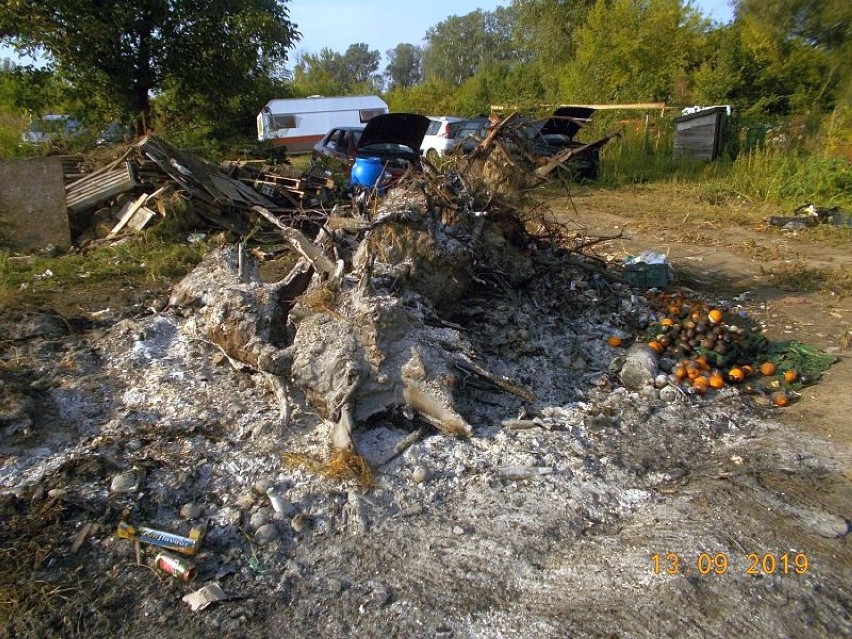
x: 301, y: 122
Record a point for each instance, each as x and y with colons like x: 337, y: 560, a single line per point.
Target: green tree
x: 544, y: 29
x: 118, y: 55
x: 360, y: 64
x: 634, y: 50
x: 799, y: 52
x: 460, y: 45
x: 331, y: 73
x: 404, y: 66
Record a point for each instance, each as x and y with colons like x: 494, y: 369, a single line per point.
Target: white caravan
x: 299, y: 123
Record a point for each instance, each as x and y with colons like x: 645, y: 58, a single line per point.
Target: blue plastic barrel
x: 366, y: 171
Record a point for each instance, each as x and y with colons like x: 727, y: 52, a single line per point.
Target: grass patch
x: 799, y: 277
x: 147, y: 260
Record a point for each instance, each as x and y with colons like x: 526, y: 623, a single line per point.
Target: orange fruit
x: 667, y: 321
x: 702, y: 362
x: 679, y: 371
x: 748, y: 369
x: 767, y: 369
x: 656, y: 346
x: 717, y: 380
x: 715, y: 316
x: 614, y: 341
x: 700, y: 385
x: 736, y: 374
x: 791, y: 375
x: 674, y: 309
x: 779, y: 398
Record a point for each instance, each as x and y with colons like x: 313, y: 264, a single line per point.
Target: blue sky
x: 382, y: 24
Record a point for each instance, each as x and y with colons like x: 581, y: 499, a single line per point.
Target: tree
x: 800, y: 51
x: 360, y: 64
x: 119, y: 54
x: 332, y: 73
x: 634, y: 50
x: 458, y: 46
x: 403, y: 69
x: 544, y: 29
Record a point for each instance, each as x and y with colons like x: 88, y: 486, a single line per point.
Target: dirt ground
x: 620, y: 518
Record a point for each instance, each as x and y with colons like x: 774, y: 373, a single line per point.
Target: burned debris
x: 439, y: 343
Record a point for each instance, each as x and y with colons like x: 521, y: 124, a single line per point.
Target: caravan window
x: 283, y: 121
x: 367, y: 114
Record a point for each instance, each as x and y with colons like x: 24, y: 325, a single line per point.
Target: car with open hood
x: 558, y: 132
x: 392, y: 138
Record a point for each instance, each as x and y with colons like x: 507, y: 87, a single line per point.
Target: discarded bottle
x: 279, y: 504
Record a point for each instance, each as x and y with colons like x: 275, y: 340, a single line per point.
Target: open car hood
x: 566, y: 121
x: 407, y: 129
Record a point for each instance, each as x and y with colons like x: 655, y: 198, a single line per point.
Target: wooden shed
x: 698, y: 134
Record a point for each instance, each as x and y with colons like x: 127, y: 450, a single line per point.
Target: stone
x: 190, y: 511
x: 640, y: 367
x: 125, y: 482
x: 266, y: 534
x: 419, y: 475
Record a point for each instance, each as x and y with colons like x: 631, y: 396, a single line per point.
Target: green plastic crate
x: 641, y: 275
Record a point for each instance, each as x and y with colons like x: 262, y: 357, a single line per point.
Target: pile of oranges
x: 707, y: 352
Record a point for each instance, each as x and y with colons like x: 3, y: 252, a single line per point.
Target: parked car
x: 52, y: 128
x: 439, y: 136
x: 394, y: 138
x: 338, y: 144
x: 469, y: 133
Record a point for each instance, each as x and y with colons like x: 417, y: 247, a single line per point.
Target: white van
x: 299, y: 123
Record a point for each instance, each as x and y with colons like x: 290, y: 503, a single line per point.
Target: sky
x: 382, y: 24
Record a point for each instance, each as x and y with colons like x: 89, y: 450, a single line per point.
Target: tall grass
x: 814, y: 168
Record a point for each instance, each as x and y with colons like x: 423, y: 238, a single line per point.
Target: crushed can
x: 177, y: 567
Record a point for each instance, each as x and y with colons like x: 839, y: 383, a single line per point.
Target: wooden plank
x: 127, y: 212
x: 98, y: 188
x: 141, y: 218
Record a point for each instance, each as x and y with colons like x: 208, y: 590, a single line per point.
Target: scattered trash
x: 647, y: 270
x: 177, y: 567
x: 185, y: 545
x: 203, y: 597
x: 809, y: 215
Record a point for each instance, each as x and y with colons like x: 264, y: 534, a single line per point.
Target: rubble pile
x: 428, y: 334
x: 138, y: 188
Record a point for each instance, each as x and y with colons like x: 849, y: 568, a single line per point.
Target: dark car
x: 394, y: 138
x: 338, y: 144
x: 470, y: 133
x: 558, y: 132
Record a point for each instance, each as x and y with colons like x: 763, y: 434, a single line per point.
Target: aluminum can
x: 177, y: 567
